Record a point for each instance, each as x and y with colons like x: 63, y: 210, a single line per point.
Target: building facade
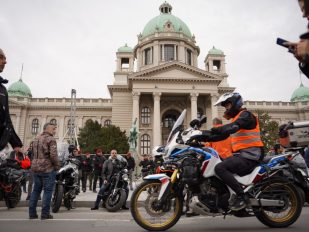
x: 153, y: 82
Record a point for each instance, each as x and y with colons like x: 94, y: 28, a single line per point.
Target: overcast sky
x: 67, y: 44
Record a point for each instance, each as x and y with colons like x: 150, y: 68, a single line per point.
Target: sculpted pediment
x: 14, y: 103
x: 175, y: 70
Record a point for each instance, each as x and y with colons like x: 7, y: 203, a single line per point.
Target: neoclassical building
x: 153, y: 82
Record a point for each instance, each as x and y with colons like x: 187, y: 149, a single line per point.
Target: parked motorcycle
x: 157, y: 203
x: 115, y: 196
x: 296, y: 171
x: 66, y: 187
x: 11, y: 176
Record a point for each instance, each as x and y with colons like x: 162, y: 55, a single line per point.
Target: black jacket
x: 110, y: 167
x: 86, y: 164
x: 131, y: 163
x: 97, y: 163
x: 246, y: 121
x: 304, y: 69
x: 147, y: 165
x: 7, y: 132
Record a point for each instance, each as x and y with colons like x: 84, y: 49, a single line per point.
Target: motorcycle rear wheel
x: 143, y: 209
x: 280, y: 216
x: 115, y: 202
x: 57, y: 198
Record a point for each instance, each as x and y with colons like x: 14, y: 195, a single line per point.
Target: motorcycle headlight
x: 125, y: 170
x: 125, y: 177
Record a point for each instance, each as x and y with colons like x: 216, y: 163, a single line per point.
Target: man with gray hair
x: 44, y: 165
x: 7, y: 132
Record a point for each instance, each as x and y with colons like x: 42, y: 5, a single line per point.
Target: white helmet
x: 235, y: 99
x: 158, y: 151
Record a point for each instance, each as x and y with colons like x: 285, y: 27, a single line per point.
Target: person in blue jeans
x: 44, y: 165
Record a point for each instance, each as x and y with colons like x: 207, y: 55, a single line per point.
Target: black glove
x: 195, y: 122
x: 197, y: 138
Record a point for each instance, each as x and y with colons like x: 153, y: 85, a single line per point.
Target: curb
x: 86, y: 204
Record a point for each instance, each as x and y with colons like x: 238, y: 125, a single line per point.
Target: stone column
x: 193, y: 105
x: 156, y: 120
x: 214, y: 109
x: 61, y: 128
x: 135, y: 110
x: 43, y: 123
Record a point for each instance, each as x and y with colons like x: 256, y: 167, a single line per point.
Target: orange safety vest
x: 246, y: 138
x: 223, y: 147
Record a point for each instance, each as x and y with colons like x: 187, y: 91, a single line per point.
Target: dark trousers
x: 234, y: 165
x: 30, y: 183
x: 85, y: 175
x: 97, y: 176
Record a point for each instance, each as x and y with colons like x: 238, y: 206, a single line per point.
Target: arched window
x: 35, y: 126
x: 169, y: 120
x: 53, y: 121
x: 145, y: 115
x: 145, y: 144
x: 107, y: 122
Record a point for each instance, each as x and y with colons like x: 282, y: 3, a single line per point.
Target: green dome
x: 19, y: 89
x: 300, y: 94
x: 125, y: 48
x: 215, y: 51
x: 157, y: 24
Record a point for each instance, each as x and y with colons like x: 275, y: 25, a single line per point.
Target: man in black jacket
x: 97, y: 162
x: 7, y: 132
x: 111, y: 166
x: 86, y: 171
x: 131, y: 166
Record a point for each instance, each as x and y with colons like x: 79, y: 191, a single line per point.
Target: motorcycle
x: 11, y: 176
x: 115, y: 196
x: 157, y: 203
x: 66, y: 186
x: 296, y: 171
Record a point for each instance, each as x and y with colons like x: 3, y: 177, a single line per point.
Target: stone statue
x: 133, y: 136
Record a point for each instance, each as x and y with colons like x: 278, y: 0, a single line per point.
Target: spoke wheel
x: 145, y: 212
x: 280, y: 216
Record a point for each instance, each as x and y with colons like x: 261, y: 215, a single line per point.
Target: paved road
x: 85, y: 220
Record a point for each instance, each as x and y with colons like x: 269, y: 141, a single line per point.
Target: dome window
x: 168, y: 52
x: 148, y: 56
x: 188, y: 57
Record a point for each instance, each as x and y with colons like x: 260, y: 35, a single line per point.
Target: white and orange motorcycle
x: 188, y: 176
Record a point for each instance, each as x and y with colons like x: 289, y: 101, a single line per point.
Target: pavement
x: 83, y: 199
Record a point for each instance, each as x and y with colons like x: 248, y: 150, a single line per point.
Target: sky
x: 67, y: 44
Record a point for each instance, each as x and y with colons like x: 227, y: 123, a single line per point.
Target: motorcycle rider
x: 73, y: 153
x: 246, y: 142
x: 111, y: 166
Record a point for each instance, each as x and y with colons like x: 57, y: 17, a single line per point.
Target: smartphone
x: 281, y: 43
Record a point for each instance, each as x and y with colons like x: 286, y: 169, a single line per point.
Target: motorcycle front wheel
x: 57, y: 198
x: 143, y: 207
x: 115, y: 201
x: 12, y: 198
x: 279, y: 216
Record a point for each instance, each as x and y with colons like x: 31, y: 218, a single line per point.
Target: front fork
x: 165, y: 190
